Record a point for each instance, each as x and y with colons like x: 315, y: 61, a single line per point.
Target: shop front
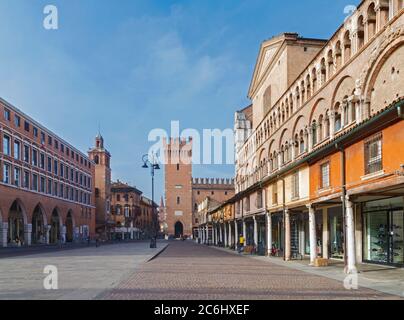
x: 383, y: 224
x: 261, y: 235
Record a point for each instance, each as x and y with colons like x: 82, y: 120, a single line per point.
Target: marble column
x: 332, y: 124
x: 350, y: 238
x: 220, y: 234
x: 236, y: 238
x: 244, y: 231
x: 230, y: 235
x: 255, y: 232
x: 288, y: 249
x: 207, y: 234
x: 225, y: 235
x: 326, y: 234
x: 312, y: 234
x: 269, y: 233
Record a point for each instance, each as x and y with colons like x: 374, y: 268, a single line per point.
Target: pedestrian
x: 241, y: 244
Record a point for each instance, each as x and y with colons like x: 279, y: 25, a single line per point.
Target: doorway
x: 178, y: 230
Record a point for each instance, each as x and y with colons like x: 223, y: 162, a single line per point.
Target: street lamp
x: 153, y: 165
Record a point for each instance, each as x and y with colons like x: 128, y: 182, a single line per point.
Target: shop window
x: 373, y: 154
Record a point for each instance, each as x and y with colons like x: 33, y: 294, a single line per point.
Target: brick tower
x: 178, y: 186
x: 101, y: 158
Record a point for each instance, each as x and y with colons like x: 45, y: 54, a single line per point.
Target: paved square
x: 189, y: 271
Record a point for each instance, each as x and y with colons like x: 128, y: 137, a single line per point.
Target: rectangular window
x: 35, y: 131
x: 26, y: 153
x: 259, y: 199
x: 6, y: 173
x: 373, y: 154
x: 17, y: 149
x: 17, y: 176
x: 275, y: 193
x: 6, y: 145
x: 49, y: 191
x: 26, y: 126
x: 17, y: 121
x: 67, y: 173
x: 43, y: 185
x: 56, y: 144
x: 34, y: 157
x: 7, y: 114
x: 26, y: 179
x: 325, y: 175
x: 67, y: 193
x: 42, y: 161
x: 62, y: 147
x: 61, y: 191
x: 50, y: 140
x: 55, y: 189
x: 62, y: 173
x: 42, y: 138
x: 295, y: 185
x: 49, y: 164
x: 55, y: 167
x: 71, y: 175
x: 34, y: 182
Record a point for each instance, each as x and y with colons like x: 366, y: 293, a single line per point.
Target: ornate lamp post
x: 153, y: 165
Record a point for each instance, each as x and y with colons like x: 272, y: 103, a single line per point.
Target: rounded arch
x: 316, y: 109
x: 386, y: 71
x: 178, y: 229
x: 299, y: 124
x: 344, y: 88
x: 283, y: 138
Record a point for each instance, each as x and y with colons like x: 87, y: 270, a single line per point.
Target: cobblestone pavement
x: 189, y: 271
x: 83, y: 274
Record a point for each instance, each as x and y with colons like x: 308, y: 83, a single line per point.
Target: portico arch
x: 39, y: 224
x: 17, y: 220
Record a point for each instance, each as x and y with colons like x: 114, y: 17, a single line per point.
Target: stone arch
x: 347, y: 46
x: 371, y: 19
x: 344, y: 88
x: 385, y: 74
x: 283, y: 138
x: 56, y: 225
x: 316, y: 110
x: 178, y: 229
x: 361, y: 31
x: 300, y: 124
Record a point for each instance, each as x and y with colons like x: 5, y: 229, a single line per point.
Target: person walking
x: 241, y: 244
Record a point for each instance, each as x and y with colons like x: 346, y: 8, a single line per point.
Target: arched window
x: 338, y: 55
x: 361, y: 33
x: 330, y: 62
x: 320, y: 129
x: 301, y: 143
x: 97, y: 159
x: 371, y: 17
x: 347, y: 47
x: 314, y: 132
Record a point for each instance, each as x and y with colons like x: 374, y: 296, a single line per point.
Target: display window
x: 383, y: 232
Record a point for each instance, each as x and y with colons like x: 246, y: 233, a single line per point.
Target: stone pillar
x: 269, y: 233
x: 47, y: 233
x: 310, y: 142
x: 3, y: 234
x: 350, y: 111
x: 235, y: 234
x: 326, y: 234
x: 28, y: 234
x: 292, y: 145
x: 343, y: 108
x: 332, y: 124
x: 230, y: 235
x: 213, y: 234
x: 312, y: 234
x: 63, y: 234
x: 244, y: 231
x: 207, y: 234
x: 225, y: 235
x: 350, y: 238
x: 220, y: 234
x: 288, y: 250
x: 255, y: 232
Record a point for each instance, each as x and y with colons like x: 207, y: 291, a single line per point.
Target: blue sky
x: 135, y: 65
